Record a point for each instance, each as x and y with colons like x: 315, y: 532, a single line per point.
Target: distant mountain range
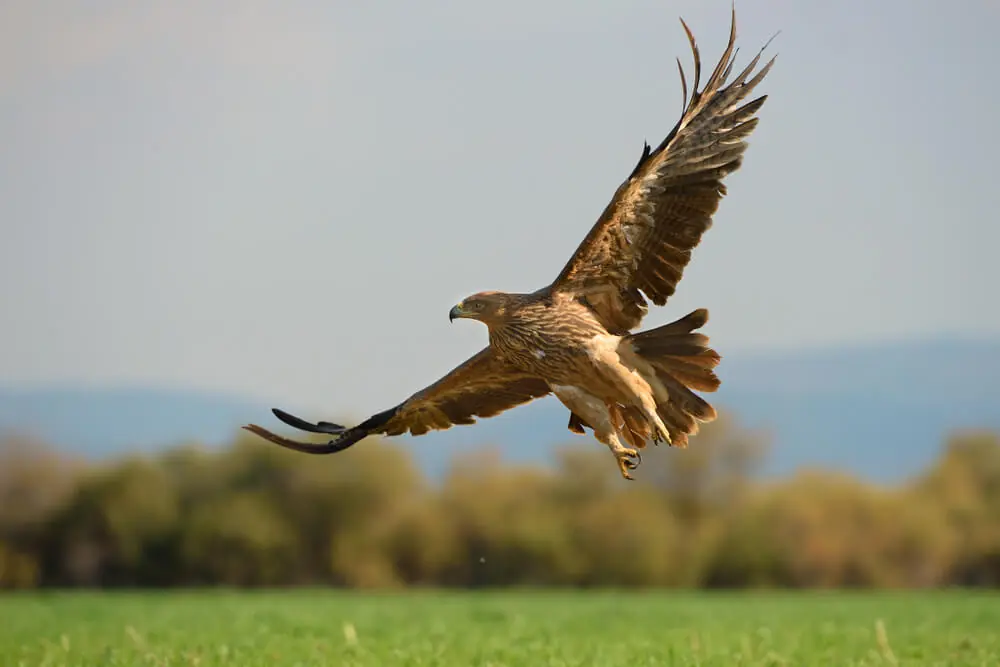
x: 879, y: 410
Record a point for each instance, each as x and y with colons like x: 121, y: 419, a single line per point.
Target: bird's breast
x: 556, y: 348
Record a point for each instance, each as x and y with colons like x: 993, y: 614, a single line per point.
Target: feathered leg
x: 597, y: 415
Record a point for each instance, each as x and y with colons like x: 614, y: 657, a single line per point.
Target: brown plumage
x: 574, y: 337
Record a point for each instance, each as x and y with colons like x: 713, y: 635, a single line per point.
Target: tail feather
x: 679, y: 423
x: 693, y: 321
x: 683, y: 363
x: 630, y: 423
x: 674, y: 345
x: 691, y: 376
x: 687, y: 400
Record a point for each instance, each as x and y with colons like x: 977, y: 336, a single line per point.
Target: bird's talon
x: 628, y: 459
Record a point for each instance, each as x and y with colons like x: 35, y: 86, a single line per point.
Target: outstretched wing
x: 644, y: 238
x: 483, y: 386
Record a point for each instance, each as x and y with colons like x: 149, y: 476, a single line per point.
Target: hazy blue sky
x: 284, y: 199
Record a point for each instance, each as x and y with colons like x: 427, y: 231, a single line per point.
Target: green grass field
x: 509, y: 628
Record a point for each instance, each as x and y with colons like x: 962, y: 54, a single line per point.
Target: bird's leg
x: 635, y: 388
x: 628, y: 459
x: 661, y: 434
x: 595, y: 412
x: 606, y: 430
x: 645, y: 402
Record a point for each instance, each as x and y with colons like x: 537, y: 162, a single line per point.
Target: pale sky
x: 283, y: 199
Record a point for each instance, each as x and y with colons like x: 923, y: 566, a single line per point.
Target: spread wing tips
x: 684, y: 86
x: 332, y: 447
x: 752, y: 83
x: 345, y: 436
x: 697, y: 58
x: 303, y: 425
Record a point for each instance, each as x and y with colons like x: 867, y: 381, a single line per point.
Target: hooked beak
x: 455, y: 313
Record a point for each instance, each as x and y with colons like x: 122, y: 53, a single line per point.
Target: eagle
x: 576, y: 338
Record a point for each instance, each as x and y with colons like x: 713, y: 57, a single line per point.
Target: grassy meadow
x: 318, y: 627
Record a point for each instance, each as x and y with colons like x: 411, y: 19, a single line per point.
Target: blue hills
x: 879, y: 410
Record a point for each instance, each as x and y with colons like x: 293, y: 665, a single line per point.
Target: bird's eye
x: 479, y: 305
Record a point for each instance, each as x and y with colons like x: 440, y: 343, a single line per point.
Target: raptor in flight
x: 574, y: 337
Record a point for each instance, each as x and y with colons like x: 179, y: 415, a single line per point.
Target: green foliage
x: 529, y: 628
x: 256, y: 515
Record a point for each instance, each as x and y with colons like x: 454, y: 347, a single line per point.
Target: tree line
x: 252, y: 514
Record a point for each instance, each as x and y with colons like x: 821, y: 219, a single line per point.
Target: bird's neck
x: 510, y: 335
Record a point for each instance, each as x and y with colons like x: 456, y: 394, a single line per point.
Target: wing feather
x: 483, y: 386
x: 643, y: 241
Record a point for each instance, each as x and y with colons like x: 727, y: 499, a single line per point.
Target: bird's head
x: 487, y: 307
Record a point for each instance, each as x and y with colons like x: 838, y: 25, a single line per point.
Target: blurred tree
x: 119, y: 529
x: 252, y: 514
x: 508, y: 530
x: 17, y: 569
x: 373, y: 488
x: 712, y: 474
x: 630, y: 538
x: 965, y: 482
x: 35, y: 483
x: 820, y: 529
x: 239, y: 540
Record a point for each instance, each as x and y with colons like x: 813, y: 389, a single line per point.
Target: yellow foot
x: 628, y: 459
x: 661, y: 434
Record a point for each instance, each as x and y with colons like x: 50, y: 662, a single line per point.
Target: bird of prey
x: 575, y: 337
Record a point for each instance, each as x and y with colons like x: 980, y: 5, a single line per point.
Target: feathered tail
x: 683, y: 363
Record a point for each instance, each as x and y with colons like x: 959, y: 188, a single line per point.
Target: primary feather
x: 642, y: 242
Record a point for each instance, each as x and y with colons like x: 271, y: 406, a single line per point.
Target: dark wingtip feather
x: 346, y: 440
x: 304, y: 447
x: 684, y: 86
x: 379, y: 420
x: 301, y: 424
x: 642, y: 159
x: 725, y: 62
x: 771, y: 39
x: 697, y: 60
x: 752, y: 83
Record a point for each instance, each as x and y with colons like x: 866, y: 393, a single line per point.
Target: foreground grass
x: 510, y: 628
